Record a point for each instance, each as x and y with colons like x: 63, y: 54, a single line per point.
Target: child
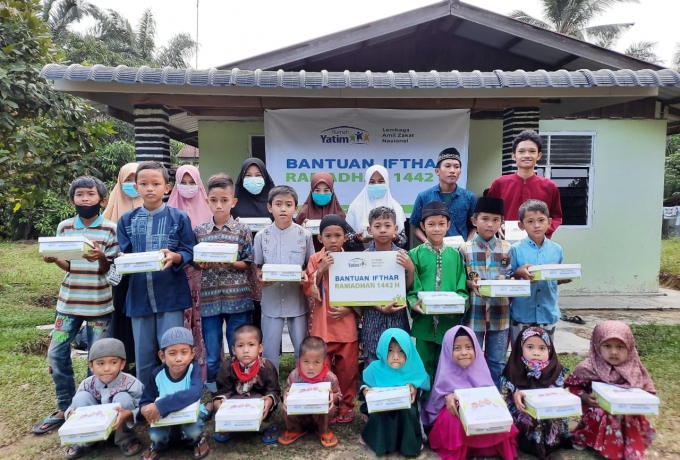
x: 612, y: 359
x: 283, y: 242
x: 156, y: 300
x: 312, y: 368
x: 335, y: 325
x: 249, y: 376
x: 321, y: 201
x: 383, y: 226
x: 461, y: 366
x: 225, y: 291
x: 488, y: 258
x: 109, y: 384
x: 515, y: 189
x: 541, y: 309
x: 533, y: 365
x: 437, y: 268
x: 398, y: 364
x: 85, y: 293
x: 174, y: 385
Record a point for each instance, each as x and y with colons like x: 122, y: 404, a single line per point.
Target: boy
x: 109, y: 384
x: 459, y: 201
x: 337, y: 326
x: 249, y: 376
x: 85, y: 294
x: 312, y: 368
x: 225, y: 291
x: 515, y: 189
x: 174, y: 385
x: 437, y: 268
x: 541, y: 309
x: 283, y: 242
x: 155, y: 300
x: 488, y: 258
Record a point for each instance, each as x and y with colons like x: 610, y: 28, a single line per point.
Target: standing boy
x: 515, y: 189
x: 85, y: 294
x: 488, y: 258
x: 156, y: 300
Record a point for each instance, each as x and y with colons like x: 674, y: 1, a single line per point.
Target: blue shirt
x: 541, y: 307
x: 460, y: 209
x: 171, y: 395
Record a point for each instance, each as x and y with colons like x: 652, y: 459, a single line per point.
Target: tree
x: 59, y: 14
x: 672, y: 173
x: 676, y: 57
x: 644, y: 50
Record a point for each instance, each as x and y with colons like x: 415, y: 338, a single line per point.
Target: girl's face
x: 535, y: 349
x: 130, y: 178
x: 396, y: 357
x: 253, y: 171
x: 614, y: 351
x: 463, y: 351
x: 321, y: 187
x: 376, y: 178
x: 187, y: 179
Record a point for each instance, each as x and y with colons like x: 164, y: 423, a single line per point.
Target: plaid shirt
x: 490, y: 260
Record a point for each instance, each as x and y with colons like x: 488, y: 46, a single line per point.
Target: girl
x: 461, y: 365
x: 376, y: 193
x: 398, y: 364
x: 613, y: 359
x: 322, y: 200
x: 532, y: 365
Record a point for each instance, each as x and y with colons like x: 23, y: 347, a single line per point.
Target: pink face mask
x: 187, y: 191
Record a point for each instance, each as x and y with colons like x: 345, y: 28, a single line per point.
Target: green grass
x: 670, y: 256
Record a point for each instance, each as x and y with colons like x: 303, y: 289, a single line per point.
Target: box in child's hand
x: 435, y: 303
x: 554, y: 272
x: 255, y: 223
x: 483, y: 411
x: 388, y: 398
x: 139, y: 262
x: 281, y: 272
x: 454, y: 241
x: 64, y: 247
x: 239, y: 415
x: 308, y: 398
x: 504, y: 288
x: 187, y: 415
x: 224, y: 253
x: 89, y: 424
x: 551, y: 403
x: 625, y: 401
x: 313, y: 225
x: 512, y: 231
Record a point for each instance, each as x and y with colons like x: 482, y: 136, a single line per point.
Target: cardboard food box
x: 483, y: 411
x: 625, y: 401
x: 388, y: 398
x: 308, y: 398
x: 454, y: 241
x: 512, y: 231
x: 88, y: 424
x: 552, y: 272
x: 505, y: 288
x: 64, y: 247
x: 187, y: 415
x: 256, y: 223
x: 239, y: 415
x: 139, y: 262
x: 281, y: 272
x: 224, y: 253
x: 551, y: 403
x: 365, y: 233
x: 435, y: 303
x: 313, y: 225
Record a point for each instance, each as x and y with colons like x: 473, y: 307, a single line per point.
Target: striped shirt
x: 85, y: 291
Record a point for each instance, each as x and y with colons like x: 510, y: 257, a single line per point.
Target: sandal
x: 328, y: 439
x: 345, y: 418
x: 573, y: 319
x: 125, y: 447
x: 362, y: 442
x: 51, y: 421
x: 151, y: 453
x: 289, y: 437
x: 196, y: 455
x: 78, y: 451
x: 273, y: 434
x: 221, y: 437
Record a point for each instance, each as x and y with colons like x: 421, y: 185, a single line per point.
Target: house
x: 188, y: 155
x: 604, y: 115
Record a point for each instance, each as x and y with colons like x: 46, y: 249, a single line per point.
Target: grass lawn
x: 28, y: 291
x: 670, y: 256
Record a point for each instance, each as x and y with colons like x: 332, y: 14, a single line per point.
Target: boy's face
x: 311, y: 362
x: 332, y: 238
x: 107, y: 368
x: 448, y: 171
x: 282, y: 208
x: 536, y: 224
x: 220, y: 201
x: 435, y: 228
x: 247, y: 347
x: 383, y: 230
x: 151, y: 186
x: 526, y: 155
x: 178, y: 357
x: 87, y: 197
x: 487, y: 224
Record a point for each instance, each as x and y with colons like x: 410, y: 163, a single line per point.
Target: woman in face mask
x: 252, y: 190
x: 321, y: 201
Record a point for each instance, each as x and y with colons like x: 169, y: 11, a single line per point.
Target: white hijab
x: 357, y: 215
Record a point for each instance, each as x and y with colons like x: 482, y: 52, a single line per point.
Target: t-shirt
x: 447, y: 197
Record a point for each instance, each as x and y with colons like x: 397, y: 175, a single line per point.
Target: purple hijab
x: 450, y: 376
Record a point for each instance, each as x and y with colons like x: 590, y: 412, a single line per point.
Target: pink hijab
x: 194, y: 203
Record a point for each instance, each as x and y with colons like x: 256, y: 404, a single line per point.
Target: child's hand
x: 563, y: 281
x: 326, y: 262
x: 405, y: 261
x: 284, y: 407
x: 170, y: 258
x: 359, y: 236
x: 389, y: 309
x: 204, y: 265
x: 452, y: 404
x: 519, y: 401
x: 151, y: 413
x: 366, y: 391
x: 50, y: 260
x: 123, y: 415
x: 217, y: 402
x: 589, y: 399
x: 414, y: 392
x: 304, y: 279
x: 337, y: 313
x: 473, y: 286
x: 95, y: 254
x: 417, y: 308
x: 331, y: 405
x: 523, y: 273
x: 268, y: 403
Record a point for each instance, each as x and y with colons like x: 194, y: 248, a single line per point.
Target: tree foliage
x: 672, y: 173
x: 644, y: 50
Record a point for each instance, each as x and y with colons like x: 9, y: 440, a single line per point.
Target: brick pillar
x: 516, y: 120
x: 152, y: 142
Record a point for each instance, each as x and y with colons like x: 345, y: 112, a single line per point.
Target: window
x: 568, y: 161
x: 256, y: 147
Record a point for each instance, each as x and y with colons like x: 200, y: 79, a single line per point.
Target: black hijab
x: 250, y: 205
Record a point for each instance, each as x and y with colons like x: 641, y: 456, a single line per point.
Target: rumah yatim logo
x: 345, y: 135
x: 356, y: 263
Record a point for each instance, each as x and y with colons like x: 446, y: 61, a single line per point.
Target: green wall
x: 484, y: 154
x: 224, y: 145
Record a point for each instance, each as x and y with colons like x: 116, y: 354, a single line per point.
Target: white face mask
x: 187, y: 191
x: 254, y: 185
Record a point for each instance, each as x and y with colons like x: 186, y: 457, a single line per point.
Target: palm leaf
x: 675, y: 60
x: 644, y: 50
x: 524, y: 17
x: 177, y: 52
x: 606, y: 35
x: 146, y: 34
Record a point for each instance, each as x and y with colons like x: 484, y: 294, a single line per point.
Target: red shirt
x: 515, y: 191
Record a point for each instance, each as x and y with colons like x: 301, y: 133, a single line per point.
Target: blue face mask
x: 129, y: 189
x: 322, y: 199
x: 377, y: 190
x: 254, y: 185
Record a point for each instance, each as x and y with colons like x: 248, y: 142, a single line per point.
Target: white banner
x: 346, y: 142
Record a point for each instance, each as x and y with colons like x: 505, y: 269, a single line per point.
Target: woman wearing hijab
x: 321, y: 201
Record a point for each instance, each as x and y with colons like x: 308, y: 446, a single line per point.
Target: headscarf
x: 380, y: 374
x: 357, y: 215
x: 451, y: 377
x: 517, y: 372
x: 119, y: 202
x: 311, y: 210
x: 629, y: 374
x: 250, y: 205
x: 196, y: 206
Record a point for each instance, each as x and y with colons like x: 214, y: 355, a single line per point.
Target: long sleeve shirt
x: 104, y: 393
x: 265, y: 383
x: 461, y: 207
x: 171, y: 395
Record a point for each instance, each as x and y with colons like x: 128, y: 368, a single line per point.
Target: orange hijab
x: 119, y: 202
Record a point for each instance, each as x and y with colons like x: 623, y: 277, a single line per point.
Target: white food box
x: 504, y: 288
x: 308, y: 398
x: 239, y: 415
x: 454, y: 241
x: 313, y: 225
x: 512, y: 231
x: 281, y: 272
x: 388, y: 398
x: 551, y: 403
x: 187, y: 415
x: 483, y: 411
x: 224, y: 253
x: 88, y: 424
x: 625, y: 401
x: 139, y: 262
x: 255, y: 223
x: 365, y: 233
x: 64, y: 247
x: 435, y: 303
x: 553, y: 272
